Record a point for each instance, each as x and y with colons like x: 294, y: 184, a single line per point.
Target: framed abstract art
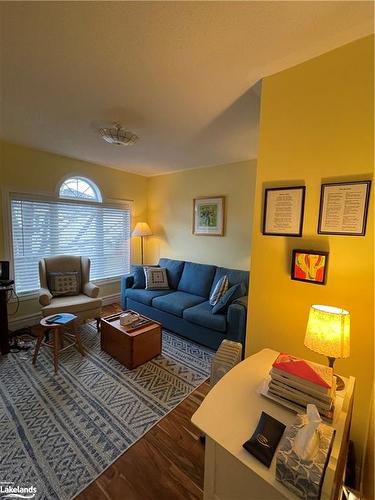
x: 310, y: 266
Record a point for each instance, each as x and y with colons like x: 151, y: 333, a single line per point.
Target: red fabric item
x: 299, y: 368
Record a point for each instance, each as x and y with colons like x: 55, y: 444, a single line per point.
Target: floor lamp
x: 142, y: 229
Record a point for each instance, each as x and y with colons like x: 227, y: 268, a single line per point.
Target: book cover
x: 328, y: 414
x: 301, y: 386
x: 318, y: 375
x: 64, y: 318
x: 298, y: 396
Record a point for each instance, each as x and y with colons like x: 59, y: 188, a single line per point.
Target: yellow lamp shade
x: 328, y: 331
x: 142, y: 229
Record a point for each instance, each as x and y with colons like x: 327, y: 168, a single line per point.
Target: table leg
x: 79, y: 343
x: 37, y: 347
x: 56, y: 347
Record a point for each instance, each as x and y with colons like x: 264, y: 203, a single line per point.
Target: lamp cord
x: 12, y: 293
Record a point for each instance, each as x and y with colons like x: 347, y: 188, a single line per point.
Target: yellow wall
x: 367, y: 486
x: 316, y: 126
x: 36, y: 171
x: 170, y: 210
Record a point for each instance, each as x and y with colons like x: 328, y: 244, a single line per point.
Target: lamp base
x: 340, y: 384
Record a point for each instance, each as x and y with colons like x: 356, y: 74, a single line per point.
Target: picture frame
x: 309, y: 266
x: 343, y: 208
x: 208, y: 216
x: 283, y: 211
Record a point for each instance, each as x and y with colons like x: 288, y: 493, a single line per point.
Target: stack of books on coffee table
x: 302, y: 382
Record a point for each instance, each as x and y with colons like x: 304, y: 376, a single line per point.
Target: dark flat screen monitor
x: 4, y: 270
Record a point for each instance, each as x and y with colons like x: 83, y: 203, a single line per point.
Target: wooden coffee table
x: 130, y: 348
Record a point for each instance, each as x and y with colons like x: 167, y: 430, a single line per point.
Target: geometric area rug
x: 58, y: 433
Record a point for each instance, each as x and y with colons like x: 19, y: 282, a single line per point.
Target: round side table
x: 57, y: 344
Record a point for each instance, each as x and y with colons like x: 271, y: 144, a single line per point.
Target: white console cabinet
x: 228, y: 416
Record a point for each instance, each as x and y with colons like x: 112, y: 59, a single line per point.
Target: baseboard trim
x: 28, y: 320
x: 111, y: 299
x: 24, y: 321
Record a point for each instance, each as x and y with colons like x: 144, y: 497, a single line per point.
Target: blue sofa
x: 185, y: 308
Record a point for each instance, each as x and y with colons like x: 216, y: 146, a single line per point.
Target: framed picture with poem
x: 283, y: 211
x: 310, y: 266
x: 343, y: 208
x: 208, y: 216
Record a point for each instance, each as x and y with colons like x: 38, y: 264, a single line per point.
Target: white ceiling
x: 178, y: 74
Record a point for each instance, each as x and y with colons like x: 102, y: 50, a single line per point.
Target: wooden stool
x: 57, y: 344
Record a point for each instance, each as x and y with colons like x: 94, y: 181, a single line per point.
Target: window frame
x: 7, y: 193
x: 91, y: 183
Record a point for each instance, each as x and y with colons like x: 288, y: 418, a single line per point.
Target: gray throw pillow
x: 221, y: 287
x: 156, y: 278
x: 64, y: 284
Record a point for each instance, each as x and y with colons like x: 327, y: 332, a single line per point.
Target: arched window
x: 81, y: 188
x: 79, y: 223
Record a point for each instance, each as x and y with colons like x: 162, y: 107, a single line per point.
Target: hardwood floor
x: 166, y: 463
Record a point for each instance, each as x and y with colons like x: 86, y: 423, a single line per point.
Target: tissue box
x: 303, y: 477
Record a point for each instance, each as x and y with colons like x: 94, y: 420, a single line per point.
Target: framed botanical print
x: 208, y: 216
x: 310, y: 266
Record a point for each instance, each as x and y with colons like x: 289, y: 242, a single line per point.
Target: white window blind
x: 43, y: 228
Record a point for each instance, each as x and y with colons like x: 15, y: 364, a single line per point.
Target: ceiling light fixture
x: 118, y: 135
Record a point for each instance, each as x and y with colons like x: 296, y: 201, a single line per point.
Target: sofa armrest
x: 242, y: 300
x: 236, y: 320
x: 45, y: 297
x: 91, y: 290
x: 127, y: 281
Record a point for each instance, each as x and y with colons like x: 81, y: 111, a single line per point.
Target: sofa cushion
x: 139, y: 277
x: 73, y: 304
x: 144, y: 296
x: 234, y: 276
x: 202, y: 315
x: 176, y: 302
x: 156, y: 278
x: 196, y: 279
x: 174, y: 270
x: 232, y: 294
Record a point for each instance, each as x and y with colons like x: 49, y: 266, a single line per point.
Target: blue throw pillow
x: 232, y: 294
x: 139, y: 277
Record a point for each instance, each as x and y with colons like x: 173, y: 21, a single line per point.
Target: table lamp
x: 142, y: 229
x: 328, y: 333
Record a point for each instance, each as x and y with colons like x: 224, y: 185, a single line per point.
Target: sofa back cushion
x: 174, y: 271
x: 197, y: 279
x: 234, y: 276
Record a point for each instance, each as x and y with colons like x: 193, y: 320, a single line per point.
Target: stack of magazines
x: 303, y: 382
